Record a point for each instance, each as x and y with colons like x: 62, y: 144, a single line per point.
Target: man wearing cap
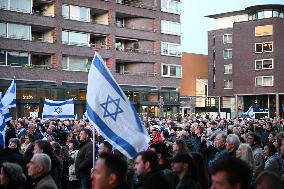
x: 184, y: 167
x: 156, y: 136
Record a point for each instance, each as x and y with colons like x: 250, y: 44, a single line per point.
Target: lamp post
x: 161, y: 106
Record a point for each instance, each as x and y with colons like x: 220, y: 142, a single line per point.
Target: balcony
x: 99, y: 16
x: 43, y: 8
x: 40, y: 61
x: 145, y: 4
x: 42, y: 34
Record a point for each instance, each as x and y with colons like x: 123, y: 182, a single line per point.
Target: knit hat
x: 14, y: 172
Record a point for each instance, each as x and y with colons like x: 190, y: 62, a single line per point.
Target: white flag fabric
x: 110, y: 111
x: 58, y: 109
x: 2, y: 130
x: 6, y: 115
x: 250, y: 113
x: 9, y: 99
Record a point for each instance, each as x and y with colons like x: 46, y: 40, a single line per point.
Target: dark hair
x: 202, y: 172
x: 151, y: 157
x: 56, y: 148
x: 182, y: 145
x: 107, y: 145
x: 87, y: 131
x: 64, y: 154
x: 269, y: 179
x: 75, y: 143
x: 272, y: 149
x: 161, y: 148
x: 256, y: 138
x: 115, y: 164
x: 237, y: 171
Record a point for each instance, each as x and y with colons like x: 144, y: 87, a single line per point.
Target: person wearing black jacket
x: 84, y: 160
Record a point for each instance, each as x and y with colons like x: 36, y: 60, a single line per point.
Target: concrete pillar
x: 277, y: 105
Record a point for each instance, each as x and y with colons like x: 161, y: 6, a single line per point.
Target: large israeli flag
x: 111, y: 112
x: 58, y: 109
x: 250, y: 113
x: 9, y: 99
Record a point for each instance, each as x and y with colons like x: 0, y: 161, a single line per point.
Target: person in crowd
x: 39, y: 169
x: 219, y: 143
x: 272, y: 137
x: 156, y: 136
x: 84, y: 160
x: 244, y: 152
x: 268, y: 180
x: 273, y: 161
x: 74, y: 182
x: 28, y: 140
x: 12, y: 153
x: 105, y: 146
x: 21, y: 130
x: 146, y: 168
x: 231, y: 173
x: 51, y: 137
x: 9, y: 133
x: 185, y: 168
x: 12, y: 176
x: 179, y: 146
x: 202, y: 170
x: 110, y: 172
x: 43, y: 146
x: 66, y: 163
x: 254, y: 140
x: 268, y: 128
x: 232, y: 144
x: 32, y: 130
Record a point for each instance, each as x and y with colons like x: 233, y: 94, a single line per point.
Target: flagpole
x: 94, y: 147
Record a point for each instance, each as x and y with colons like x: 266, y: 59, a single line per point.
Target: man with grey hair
x: 232, y: 144
x: 219, y: 143
x: 39, y: 169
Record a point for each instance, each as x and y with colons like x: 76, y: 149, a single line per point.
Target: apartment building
x: 48, y: 45
x: 246, y: 60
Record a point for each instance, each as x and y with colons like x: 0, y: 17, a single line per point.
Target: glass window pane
x: 267, y: 64
x: 77, y: 64
x: 17, y: 58
x: 172, y: 71
x: 71, y: 94
x: 3, y: 30
x: 268, y: 14
x: 178, y: 71
x: 29, y: 93
x: 65, y: 11
x: 21, y: 5
x: 64, y: 63
x: 44, y: 93
x: 84, y: 14
x: 173, y: 97
x: 82, y: 94
x: 74, y: 12
x: 275, y: 13
x: 267, y: 81
x: 57, y: 94
x: 258, y: 65
x: 18, y: 31
x: 164, y: 26
x: 260, y: 15
x: 65, y: 38
x: 165, y: 48
x: 78, y: 38
x: 165, y: 70
x: 3, y: 4
x: 258, y: 47
x: 3, y: 58
x: 258, y: 81
x: 267, y: 47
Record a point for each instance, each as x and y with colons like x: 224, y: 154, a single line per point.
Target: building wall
x: 194, y: 66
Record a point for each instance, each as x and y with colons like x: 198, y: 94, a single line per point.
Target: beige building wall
x: 194, y: 66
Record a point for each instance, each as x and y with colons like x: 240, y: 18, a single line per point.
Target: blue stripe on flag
x: 101, y: 68
x: 109, y: 133
x: 58, y: 116
x: 58, y: 104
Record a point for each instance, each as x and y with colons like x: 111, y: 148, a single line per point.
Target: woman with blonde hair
x: 244, y: 152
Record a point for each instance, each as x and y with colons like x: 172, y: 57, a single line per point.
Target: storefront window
x: 173, y: 97
x: 165, y: 96
x: 29, y: 93
x: 57, y: 94
x: 71, y: 94
x: 82, y: 94
x: 44, y: 93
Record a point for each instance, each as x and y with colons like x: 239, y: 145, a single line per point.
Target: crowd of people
x: 184, y: 153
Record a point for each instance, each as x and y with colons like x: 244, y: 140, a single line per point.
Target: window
x: 170, y: 49
x: 264, y: 81
x: 227, y: 53
x: 76, y: 13
x: 24, y: 6
x: 228, y: 69
x: 15, y: 31
x: 227, y: 38
x: 228, y: 84
x: 171, y: 6
x: 171, y: 70
x: 263, y: 47
x: 263, y: 30
x: 17, y: 58
x: 75, y: 38
x: 169, y: 27
x: 264, y: 64
x: 74, y: 63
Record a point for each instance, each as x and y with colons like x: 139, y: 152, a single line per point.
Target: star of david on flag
x: 110, y: 111
x: 113, y: 105
x: 58, y: 109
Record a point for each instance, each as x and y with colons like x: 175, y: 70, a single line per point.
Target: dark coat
x: 188, y: 183
x: 84, y: 160
x: 12, y: 155
x: 45, y: 182
x: 153, y: 180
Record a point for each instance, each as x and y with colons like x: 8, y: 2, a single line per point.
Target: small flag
x: 250, y: 113
x: 58, y: 109
x: 2, y: 130
x: 110, y: 111
x: 85, y: 115
x: 9, y: 99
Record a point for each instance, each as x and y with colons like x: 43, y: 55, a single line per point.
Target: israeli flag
x: 2, y: 130
x: 9, y: 99
x: 58, y: 109
x: 110, y: 111
x: 6, y: 115
x: 250, y: 113
x: 85, y: 115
